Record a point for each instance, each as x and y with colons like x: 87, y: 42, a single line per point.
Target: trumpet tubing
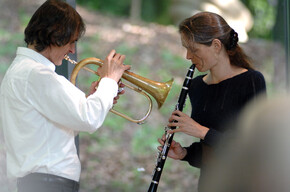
x: 158, y: 90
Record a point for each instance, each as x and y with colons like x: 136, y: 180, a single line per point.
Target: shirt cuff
x: 212, y: 137
x: 186, y: 157
x: 106, y: 91
x: 108, y: 82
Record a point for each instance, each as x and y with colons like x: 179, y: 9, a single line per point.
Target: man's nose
x: 72, y: 48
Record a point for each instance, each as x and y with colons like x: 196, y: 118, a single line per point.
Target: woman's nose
x: 189, y: 55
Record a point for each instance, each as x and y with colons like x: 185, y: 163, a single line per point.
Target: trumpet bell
x: 158, y: 90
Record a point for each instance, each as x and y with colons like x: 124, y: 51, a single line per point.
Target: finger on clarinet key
x: 161, y: 141
x: 159, y: 148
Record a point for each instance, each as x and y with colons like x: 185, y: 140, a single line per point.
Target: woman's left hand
x: 186, y: 125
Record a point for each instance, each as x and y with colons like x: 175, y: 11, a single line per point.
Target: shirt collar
x: 35, y: 56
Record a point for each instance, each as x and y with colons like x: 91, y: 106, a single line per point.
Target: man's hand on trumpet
x: 95, y: 84
x: 121, y: 91
x: 113, y: 66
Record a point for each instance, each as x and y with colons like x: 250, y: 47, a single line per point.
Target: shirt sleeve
x: 258, y: 84
x: 62, y: 103
x: 194, y: 151
x: 212, y: 137
x: 194, y: 154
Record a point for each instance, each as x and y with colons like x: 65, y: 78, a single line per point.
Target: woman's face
x: 201, y: 55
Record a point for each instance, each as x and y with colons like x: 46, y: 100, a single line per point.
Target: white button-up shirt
x: 40, y: 112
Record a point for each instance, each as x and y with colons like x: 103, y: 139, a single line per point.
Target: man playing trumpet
x: 41, y: 111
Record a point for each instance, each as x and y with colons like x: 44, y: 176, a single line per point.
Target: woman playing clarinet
x: 216, y: 97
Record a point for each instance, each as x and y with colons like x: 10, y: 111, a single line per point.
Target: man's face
x: 56, y: 54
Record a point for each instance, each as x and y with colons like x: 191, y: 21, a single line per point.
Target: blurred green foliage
x: 152, y: 10
x: 9, y: 42
x: 156, y: 11
x: 264, y: 13
x: 113, y: 7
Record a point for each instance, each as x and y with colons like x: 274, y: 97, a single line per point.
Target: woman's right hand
x: 113, y: 66
x: 176, y: 151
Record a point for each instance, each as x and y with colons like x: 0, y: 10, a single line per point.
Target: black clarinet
x: 169, y: 137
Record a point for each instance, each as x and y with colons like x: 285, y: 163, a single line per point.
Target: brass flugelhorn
x: 158, y: 90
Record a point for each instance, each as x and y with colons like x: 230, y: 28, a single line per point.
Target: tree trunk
x: 279, y: 27
x: 135, y: 12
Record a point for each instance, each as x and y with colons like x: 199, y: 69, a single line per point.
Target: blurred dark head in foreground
x: 258, y: 158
